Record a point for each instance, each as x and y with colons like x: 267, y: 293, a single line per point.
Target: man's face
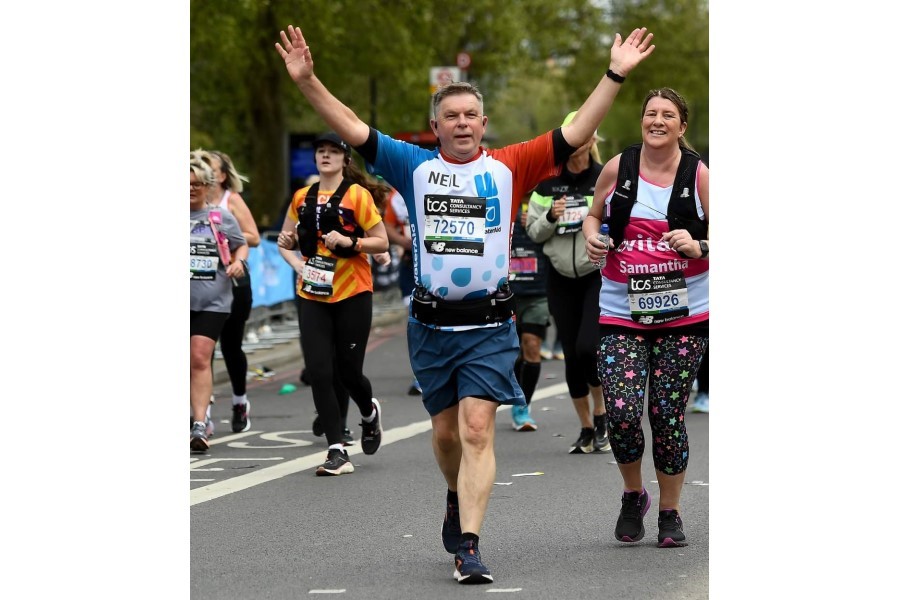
x: 459, y: 125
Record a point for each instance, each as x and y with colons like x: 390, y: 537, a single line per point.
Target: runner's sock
x: 235, y: 400
x: 531, y: 372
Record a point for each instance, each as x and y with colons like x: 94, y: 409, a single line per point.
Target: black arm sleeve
x: 369, y: 149
x: 561, y: 148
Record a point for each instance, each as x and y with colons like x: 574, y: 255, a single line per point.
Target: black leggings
x: 574, y: 304
x: 232, y: 339
x: 339, y: 390
x: 703, y: 374
x: 334, y: 336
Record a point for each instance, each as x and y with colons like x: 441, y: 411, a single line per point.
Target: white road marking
x: 230, y: 438
x: 243, y: 482
x: 327, y: 591
x: 210, y: 461
x: 501, y: 590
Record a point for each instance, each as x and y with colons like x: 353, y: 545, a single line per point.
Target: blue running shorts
x: 451, y: 365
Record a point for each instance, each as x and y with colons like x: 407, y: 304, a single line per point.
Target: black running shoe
x: 630, y: 526
x: 337, y: 463
x: 469, y: 568
x: 317, y: 427
x: 585, y: 442
x: 240, y: 417
x: 347, y: 437
x: 371, y: 432
x: 671, y: 530
x: 451, y: 531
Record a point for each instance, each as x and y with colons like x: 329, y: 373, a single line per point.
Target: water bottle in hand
x: 603, y: 236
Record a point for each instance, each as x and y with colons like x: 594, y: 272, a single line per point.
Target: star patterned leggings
x: 671, y: 362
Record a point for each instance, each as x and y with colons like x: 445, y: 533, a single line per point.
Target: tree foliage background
x: 534, y: 61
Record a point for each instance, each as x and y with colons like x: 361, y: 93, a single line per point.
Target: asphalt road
x: 264, y: 526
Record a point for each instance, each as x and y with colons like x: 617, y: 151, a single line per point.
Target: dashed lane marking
x: 242, y: 482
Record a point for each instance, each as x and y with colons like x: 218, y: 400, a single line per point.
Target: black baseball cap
x: 334, y: 139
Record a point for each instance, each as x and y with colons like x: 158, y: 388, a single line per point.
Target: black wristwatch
x: 704, y: 249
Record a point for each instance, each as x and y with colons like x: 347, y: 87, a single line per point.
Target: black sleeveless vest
x: 682, y: 209
x: 329, y: 219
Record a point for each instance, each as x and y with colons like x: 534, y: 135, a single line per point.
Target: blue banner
x: 272, y: 278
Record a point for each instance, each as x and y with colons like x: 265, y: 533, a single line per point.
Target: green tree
x: 534, y: 61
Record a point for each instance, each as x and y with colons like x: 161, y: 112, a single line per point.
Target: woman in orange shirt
x: 335, y: 223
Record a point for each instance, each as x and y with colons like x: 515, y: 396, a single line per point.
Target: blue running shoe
x: 521, y: 418
x: 701, y: 403
x: 469, y: 568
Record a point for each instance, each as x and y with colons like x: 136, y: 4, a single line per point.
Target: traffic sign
x: 441, y: 76
x: 463, y: 60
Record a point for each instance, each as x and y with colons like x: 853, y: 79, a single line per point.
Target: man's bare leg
x: 478, y: 467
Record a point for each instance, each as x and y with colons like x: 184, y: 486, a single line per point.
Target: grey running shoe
x: 199, y: 443
x: 601, y: 440
x: 585, y: 442
x: 469, y: 568
x: 671, y: 530
x: 630, y: 526
x: 371, y: 432
x: 336, y: 463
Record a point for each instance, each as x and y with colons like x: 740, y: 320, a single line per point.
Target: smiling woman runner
x: 654, y: 309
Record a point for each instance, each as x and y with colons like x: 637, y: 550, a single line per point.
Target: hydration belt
x: 431, y: 310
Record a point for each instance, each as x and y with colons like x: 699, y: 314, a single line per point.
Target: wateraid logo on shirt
x: 486, y: 187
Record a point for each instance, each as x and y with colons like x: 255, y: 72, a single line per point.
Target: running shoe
x: 585, y: 442
x: 671, y: 530
x: 558, y: 355
x: 601, y: 439
x: 546, y: 353
x: 347, y: 438
x: 371, y: 432
x: 701, y: 403
x: 469, y: 568
x: 317, y: 427
x: 451, y: 531
x: 521, y: 418
x: 199, y: 443
x: 415, y: 389
x: 336, y: 463
x: 240, y: 417
x: 630, y: 526
x: 210, y: 427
